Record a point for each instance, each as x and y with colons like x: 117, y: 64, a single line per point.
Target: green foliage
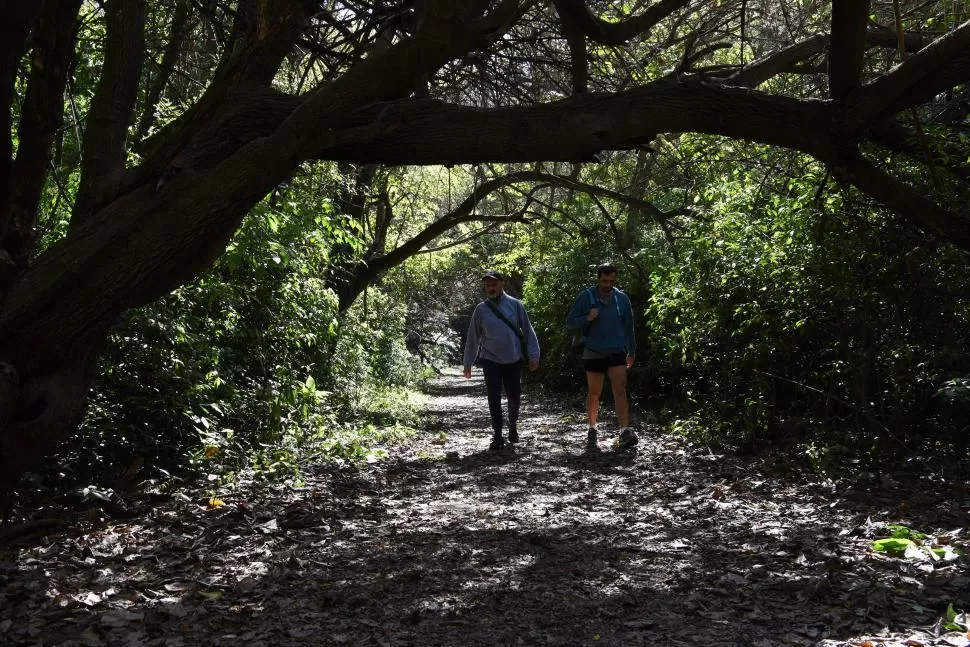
x: 791, y: 318
x: 914, y: 545
x: 251, y: 366
x: 778, y: 310
x: 955, y: 621
x: 896, y: 545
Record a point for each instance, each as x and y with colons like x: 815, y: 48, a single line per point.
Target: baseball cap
x: 492, y: 274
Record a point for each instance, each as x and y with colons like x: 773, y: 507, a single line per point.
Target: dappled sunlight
x: 446, y: 543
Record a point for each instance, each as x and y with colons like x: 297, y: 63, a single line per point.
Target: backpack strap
x: 584, y: 331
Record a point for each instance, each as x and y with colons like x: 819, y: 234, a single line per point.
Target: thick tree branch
x: 252, y: 64
x: 895, y: 194
x: 577, y: 129
x: 759, y: 71
x: 849, y: 19
x: 15, y: 21
x: 934, y: 69
x: 40, y: 118
x: 577, y: 13
x: 113, y: 105
x: 789, y: 59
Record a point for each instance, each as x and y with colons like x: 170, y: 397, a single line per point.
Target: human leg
x: 594, y: 388
x: 492, y: 373
x: 618, y: 375
x: 512, y: 379
x: 618, y: 383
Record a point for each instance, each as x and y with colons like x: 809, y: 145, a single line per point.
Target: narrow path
x: 449, y: 544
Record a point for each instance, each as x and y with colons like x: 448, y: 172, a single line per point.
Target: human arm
x: 580, y: 312
x: 531, y: 340
x: 629, y: 334
x: 471, y: 342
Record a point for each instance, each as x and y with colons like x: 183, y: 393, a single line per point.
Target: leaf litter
x: 446, y: 543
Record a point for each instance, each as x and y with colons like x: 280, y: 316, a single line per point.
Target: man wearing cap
x: 500, y: 338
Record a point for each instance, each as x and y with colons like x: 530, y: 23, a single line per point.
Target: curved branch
x: 790, y: 58
x: 577, y: 129
x: 614, y: 33
x: 935, y: 68
x: 896, y: 195
x: 354, y: 281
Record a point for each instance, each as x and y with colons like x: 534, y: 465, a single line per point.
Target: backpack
x: 579, y: 335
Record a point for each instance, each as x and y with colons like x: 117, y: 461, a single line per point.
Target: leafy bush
x: 251, y: 366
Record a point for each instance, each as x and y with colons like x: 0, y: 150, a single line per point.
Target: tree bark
x: 142, y: 240
x: 113, y: 105
x: 142, y: 232
x: 849, y: 19
x: 41, y: 117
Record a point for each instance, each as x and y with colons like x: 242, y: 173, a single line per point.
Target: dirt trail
x: 446, y: 543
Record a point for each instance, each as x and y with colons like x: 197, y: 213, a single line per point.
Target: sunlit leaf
x: 892, y: 544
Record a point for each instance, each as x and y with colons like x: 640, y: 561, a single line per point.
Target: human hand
x: 468, y: 372
x: 629, y: 361
x: 593, y: 313
x: 533, y: 364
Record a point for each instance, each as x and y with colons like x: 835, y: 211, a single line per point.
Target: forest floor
x: 446, y: 543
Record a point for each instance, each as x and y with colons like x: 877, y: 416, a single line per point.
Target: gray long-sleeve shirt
x: 491, y: 338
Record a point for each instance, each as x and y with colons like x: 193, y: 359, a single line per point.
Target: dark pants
x: 495, y: 376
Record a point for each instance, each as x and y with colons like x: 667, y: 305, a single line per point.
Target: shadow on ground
x: 449, y: 544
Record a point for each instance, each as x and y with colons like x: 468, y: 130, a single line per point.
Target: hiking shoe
x: 497, y: 444
x: 513, y: 433
x: 628, y: 438
x: 591, y: 439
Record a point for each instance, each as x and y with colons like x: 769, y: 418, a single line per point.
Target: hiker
x: 604, y: 317
x: 500, y: 339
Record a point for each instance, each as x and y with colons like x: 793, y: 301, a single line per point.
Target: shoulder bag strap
x: 500, y: 315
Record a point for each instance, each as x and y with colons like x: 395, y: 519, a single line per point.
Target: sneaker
x: 628, y: 438
x: 591, y: 439
x: 497, y: 444
x: 513, y: 433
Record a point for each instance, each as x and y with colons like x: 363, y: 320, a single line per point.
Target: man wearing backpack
x: 500, y: 339
x: 604, y: 316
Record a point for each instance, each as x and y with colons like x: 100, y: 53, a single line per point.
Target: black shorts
x: 600, y: 364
